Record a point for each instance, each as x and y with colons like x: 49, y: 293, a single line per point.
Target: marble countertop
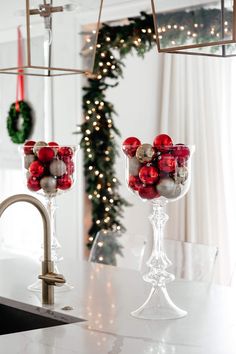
x: 104, y: 296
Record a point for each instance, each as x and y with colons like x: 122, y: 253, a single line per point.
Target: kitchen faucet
x: 48, y: 277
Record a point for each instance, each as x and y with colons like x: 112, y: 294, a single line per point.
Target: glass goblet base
x: 159, y: 306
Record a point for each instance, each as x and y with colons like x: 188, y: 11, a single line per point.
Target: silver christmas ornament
x: 168, y: 188
x: 38, y: 145
x: 27, y: 175
x: 48, y: 184
x: 181, y: 174
x: 134, y: 166
x: 28, y: 159
x: 57, y: 168
x: 145, y: 153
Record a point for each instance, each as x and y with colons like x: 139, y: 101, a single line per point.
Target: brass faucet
x: 48, y: 277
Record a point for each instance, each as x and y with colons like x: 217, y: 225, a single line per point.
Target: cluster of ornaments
x: 49, y: 167
x: 156, y: 170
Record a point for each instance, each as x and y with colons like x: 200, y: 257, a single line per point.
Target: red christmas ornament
x: 181, y: 151
x: 134, y: 183
x: 33, y: 184
x: 70, y: 167
x: 167, y: 163
x: 162, y: 142
x: 130, y: 146
x: 64, y: 182
x: 65, y: 152
x: 28, y: 147
x: 36, y: 169
x: 148, y: 192
x: 46, y: 154
x: 148, y: 174
x: 53, y: 144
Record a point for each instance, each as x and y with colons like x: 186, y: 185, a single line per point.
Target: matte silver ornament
x: 38, y: 145
x: 168, y: 188
x: 48, y: 184
x: 145, y: 153
x: 57, y: 168
x: 28, y: 159
x: 134, y: 166
x: 181, y: 174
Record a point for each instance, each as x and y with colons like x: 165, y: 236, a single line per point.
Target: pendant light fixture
x: 198, y: 27
x: 49, y: 45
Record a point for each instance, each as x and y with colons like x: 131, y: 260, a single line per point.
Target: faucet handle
x: 53, y: 279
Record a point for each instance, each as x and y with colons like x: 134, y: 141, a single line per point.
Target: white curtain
x: 197, y: 105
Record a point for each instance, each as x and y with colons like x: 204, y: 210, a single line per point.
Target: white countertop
x: 104, y: 296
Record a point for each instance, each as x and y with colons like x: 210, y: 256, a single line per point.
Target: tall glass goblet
x: 49, y: 170
x: 164, y: 178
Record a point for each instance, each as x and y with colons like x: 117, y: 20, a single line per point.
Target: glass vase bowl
x: 159, y: 176
x: 49, y: 170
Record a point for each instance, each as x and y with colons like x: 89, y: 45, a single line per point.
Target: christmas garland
x: 19, y: 132
x: 99, y: 130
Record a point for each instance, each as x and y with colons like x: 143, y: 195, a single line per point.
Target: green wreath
x: 19, y: 134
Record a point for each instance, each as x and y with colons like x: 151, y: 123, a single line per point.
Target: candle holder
x: 159, y: 174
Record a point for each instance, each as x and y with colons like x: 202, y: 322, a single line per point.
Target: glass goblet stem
x: 55, y: 245
x: 158, y: 261
x: 158, y: 305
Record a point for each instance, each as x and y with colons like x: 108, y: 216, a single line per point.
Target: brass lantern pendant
x: 51, y: 45
x: 201, y: 28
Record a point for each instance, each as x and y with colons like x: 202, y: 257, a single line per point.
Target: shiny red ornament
x: 33, y: 184
x: 53, y: 144
x: 148, y: 174
x: 70, y: 167
x: 46, y: 154
x: 65, y: 153
x: 64, y: 182
x: 167, y: 163
x: 162, y: 142
x: 28, y: 147
x: 134, y: 183
x: 181, y: 151
x: 130, y: 146
x: 148, y: 192
x: 36, y: 169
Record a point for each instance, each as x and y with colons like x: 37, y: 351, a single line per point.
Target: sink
x: 15, y: 320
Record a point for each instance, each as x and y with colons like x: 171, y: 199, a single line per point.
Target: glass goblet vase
x: 164, y: 179
x: 49, y: 170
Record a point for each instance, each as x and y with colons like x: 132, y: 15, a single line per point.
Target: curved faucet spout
x: 49, y: 278
x: 46, y: 222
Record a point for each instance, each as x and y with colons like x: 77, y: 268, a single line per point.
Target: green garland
x: 99, y: 131
x: 19, y: 134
